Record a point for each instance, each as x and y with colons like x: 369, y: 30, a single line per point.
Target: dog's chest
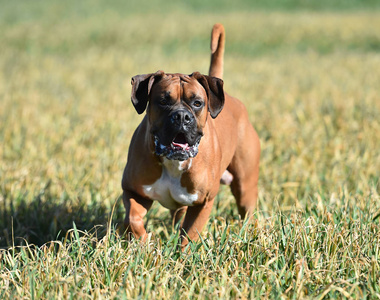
x: 167, y: 189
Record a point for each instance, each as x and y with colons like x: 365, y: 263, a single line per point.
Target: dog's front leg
x: 195, y: 219
x: 136, y: 208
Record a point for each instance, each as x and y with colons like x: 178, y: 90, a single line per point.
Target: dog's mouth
x: 180, y: 142
x: 178, y: 149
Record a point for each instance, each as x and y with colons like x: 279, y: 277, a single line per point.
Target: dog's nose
x: 181, y: 117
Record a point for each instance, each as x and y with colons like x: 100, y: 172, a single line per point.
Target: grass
x: 308, y: 73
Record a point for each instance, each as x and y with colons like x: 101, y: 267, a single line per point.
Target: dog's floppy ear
x: 215, y: 92
x: 141, y: 86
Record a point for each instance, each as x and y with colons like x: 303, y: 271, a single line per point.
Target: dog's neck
x: 175, y: 168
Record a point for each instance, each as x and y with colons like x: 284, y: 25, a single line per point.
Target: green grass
x: 308, y: 72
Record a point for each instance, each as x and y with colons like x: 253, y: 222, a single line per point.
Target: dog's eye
x: 163, y: 102
x: 197, y: 103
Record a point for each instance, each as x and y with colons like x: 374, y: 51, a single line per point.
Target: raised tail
x: 217, y: 51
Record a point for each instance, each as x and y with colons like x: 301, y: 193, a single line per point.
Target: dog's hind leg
x: 244, y: 168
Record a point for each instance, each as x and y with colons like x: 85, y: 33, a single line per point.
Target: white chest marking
x: 167, y: 189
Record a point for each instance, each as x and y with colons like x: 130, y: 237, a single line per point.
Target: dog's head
x: 177, y: 109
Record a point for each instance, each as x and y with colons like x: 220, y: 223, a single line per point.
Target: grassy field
x: 309, y: 74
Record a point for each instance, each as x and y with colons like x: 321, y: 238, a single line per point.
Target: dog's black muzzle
x: 180, y: 139
x: 182, y: 119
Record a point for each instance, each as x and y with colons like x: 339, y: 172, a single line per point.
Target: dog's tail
x: 217, y: 51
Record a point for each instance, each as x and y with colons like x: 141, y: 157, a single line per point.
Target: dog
x: 193, y: 137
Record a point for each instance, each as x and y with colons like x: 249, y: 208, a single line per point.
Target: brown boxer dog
x: 193, y: 136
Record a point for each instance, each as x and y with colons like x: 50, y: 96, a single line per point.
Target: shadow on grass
x: 45, y: 219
